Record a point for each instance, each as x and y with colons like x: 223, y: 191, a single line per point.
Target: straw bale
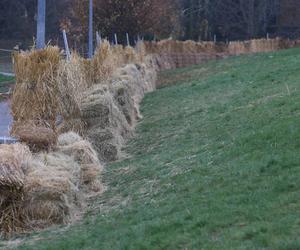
x: 102, y: 65
x: 71, y: 85
x: 68, y: 139
x: 14, y: 163
x: 72, y: 124
x: 35, y: 95
x: 130, y: 55
x: 51, y: 190
x: 124, y: 101
x: 90, y: 177
x: 83, y: 153
x: 107, y: 142
x: 100, y: 110
x: 14, y: 160
x: 36, y: 137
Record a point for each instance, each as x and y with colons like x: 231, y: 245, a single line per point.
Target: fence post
x: 98, y: 38
x: 91, y: 49
x: 215, y: 38
x: 127, y: 38
x: 66, y: 45
x: 268, y: 36
x: 116, y: 39
x: 41, y: 23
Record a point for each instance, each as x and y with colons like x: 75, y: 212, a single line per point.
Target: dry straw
x: 14, y: 162
x: 71, y: 84
x: 36, y: 137
x: 36, y: 90
x: 95, y: 96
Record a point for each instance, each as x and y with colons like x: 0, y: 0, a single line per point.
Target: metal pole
x: 127, y: 38
x: 66, y: 45
x: 41, y: 22
x: 116, y: 39
x: 91, y: 49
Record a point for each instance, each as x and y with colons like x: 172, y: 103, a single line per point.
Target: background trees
x: 228, y: 19
x: 183, y: 19
x: 148, y: 17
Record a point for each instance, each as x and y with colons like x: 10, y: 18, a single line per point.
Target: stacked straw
x: 36, y: 91
x: 14, y: 162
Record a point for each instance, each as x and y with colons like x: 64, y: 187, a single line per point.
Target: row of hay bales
x: 173, y: 54
x: 71, y: 117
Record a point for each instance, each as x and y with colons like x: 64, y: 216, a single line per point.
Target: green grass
x: 5, y: 81
x: 215, y: 165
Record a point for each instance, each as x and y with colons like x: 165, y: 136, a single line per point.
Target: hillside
x: 215, y: 164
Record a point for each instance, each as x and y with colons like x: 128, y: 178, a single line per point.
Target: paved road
x: 5, y: 118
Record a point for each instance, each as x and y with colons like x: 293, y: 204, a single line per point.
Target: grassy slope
x: 215, y: 164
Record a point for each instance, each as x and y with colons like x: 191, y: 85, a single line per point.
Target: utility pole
x: 41, y: 24
x: 91, y: 47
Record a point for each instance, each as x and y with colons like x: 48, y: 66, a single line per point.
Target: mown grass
x: 215, y: 165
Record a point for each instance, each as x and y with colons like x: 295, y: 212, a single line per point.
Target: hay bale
x: 90, y: 177
x: 100, y: 110
x: 83, y: 153
x: 72, y: 124
x: 100, y: 68
x: 71, y: 83
x: 36, y: 137
x: 124, y: 101
x: 107, y: 143
x: 14, y: 162
x: 51, y: 190
x: 68, y: 139
x: 35, y: 95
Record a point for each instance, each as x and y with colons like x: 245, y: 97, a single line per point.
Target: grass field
x: 215, y: 164
x: 5, y: 81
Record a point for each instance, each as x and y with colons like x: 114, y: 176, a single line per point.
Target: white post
x: 127, y: 38
x: 116, y: 39
x: 268, y: 37
x: 41, y: 23
x: 98, y: 38
x: 91, y: 49
x: 215, y: 38
x: 68, y: 54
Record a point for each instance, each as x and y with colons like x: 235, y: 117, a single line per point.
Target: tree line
x: 153, y: 19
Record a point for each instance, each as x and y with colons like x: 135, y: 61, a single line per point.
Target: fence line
x: 6, y: 50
